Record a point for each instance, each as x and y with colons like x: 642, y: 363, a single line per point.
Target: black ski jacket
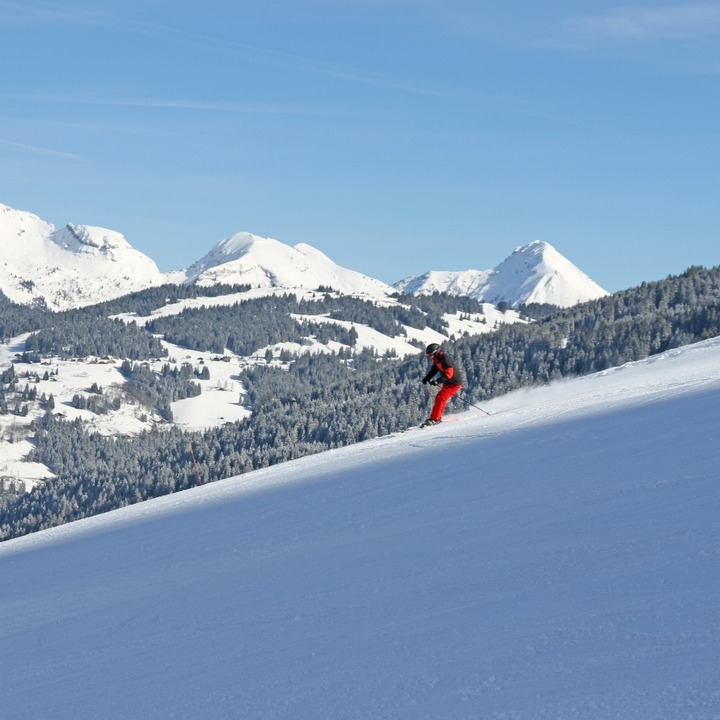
x: 443, y: 364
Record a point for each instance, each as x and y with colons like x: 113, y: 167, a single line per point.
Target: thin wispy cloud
x: 41, y: 12
x: 290, y: 61
x: 74, y: 98
x: 35, y: 150
x: 29, y: 13
x: 650, y: 24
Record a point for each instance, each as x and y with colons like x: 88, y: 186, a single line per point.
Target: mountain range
x: 82, y: 265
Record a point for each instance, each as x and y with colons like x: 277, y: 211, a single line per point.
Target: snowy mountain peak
x: 245, y: 258
x: 533, y: 273
x: 237, y: 245
x: 14, y: 224
x: 538, y: 273
x: 83, y: 238
x: 541, y: 253
x: 466, y: 282
x: 67, y: 268
x: 536, y: 246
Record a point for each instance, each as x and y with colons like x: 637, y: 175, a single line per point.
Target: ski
x: 429, y: 423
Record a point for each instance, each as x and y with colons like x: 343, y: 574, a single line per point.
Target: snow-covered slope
x: 263, y: 262
x: 557, y: 559
x: 466, y: 282
x: 71, y: 267
x: 534, y: 273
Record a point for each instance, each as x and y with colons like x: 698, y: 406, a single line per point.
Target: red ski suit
x: 451, y: 382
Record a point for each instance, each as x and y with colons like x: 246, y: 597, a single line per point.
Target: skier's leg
x: 446, y: 392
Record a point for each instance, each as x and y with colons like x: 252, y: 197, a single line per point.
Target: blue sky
x: 396, y: 136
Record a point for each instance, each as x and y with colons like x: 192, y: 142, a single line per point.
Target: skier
x: 450, y: 380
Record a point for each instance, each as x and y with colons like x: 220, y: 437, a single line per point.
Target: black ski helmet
x: 431, y: 349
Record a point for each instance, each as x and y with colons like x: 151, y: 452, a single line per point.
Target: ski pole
x: 460, y: 397
x: 467, y: 402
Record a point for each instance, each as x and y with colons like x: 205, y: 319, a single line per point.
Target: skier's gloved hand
x: 424, y: 381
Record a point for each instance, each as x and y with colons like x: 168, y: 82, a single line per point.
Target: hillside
x: 255, y: 382
x: 86, y: 383
x: 557, y: 559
